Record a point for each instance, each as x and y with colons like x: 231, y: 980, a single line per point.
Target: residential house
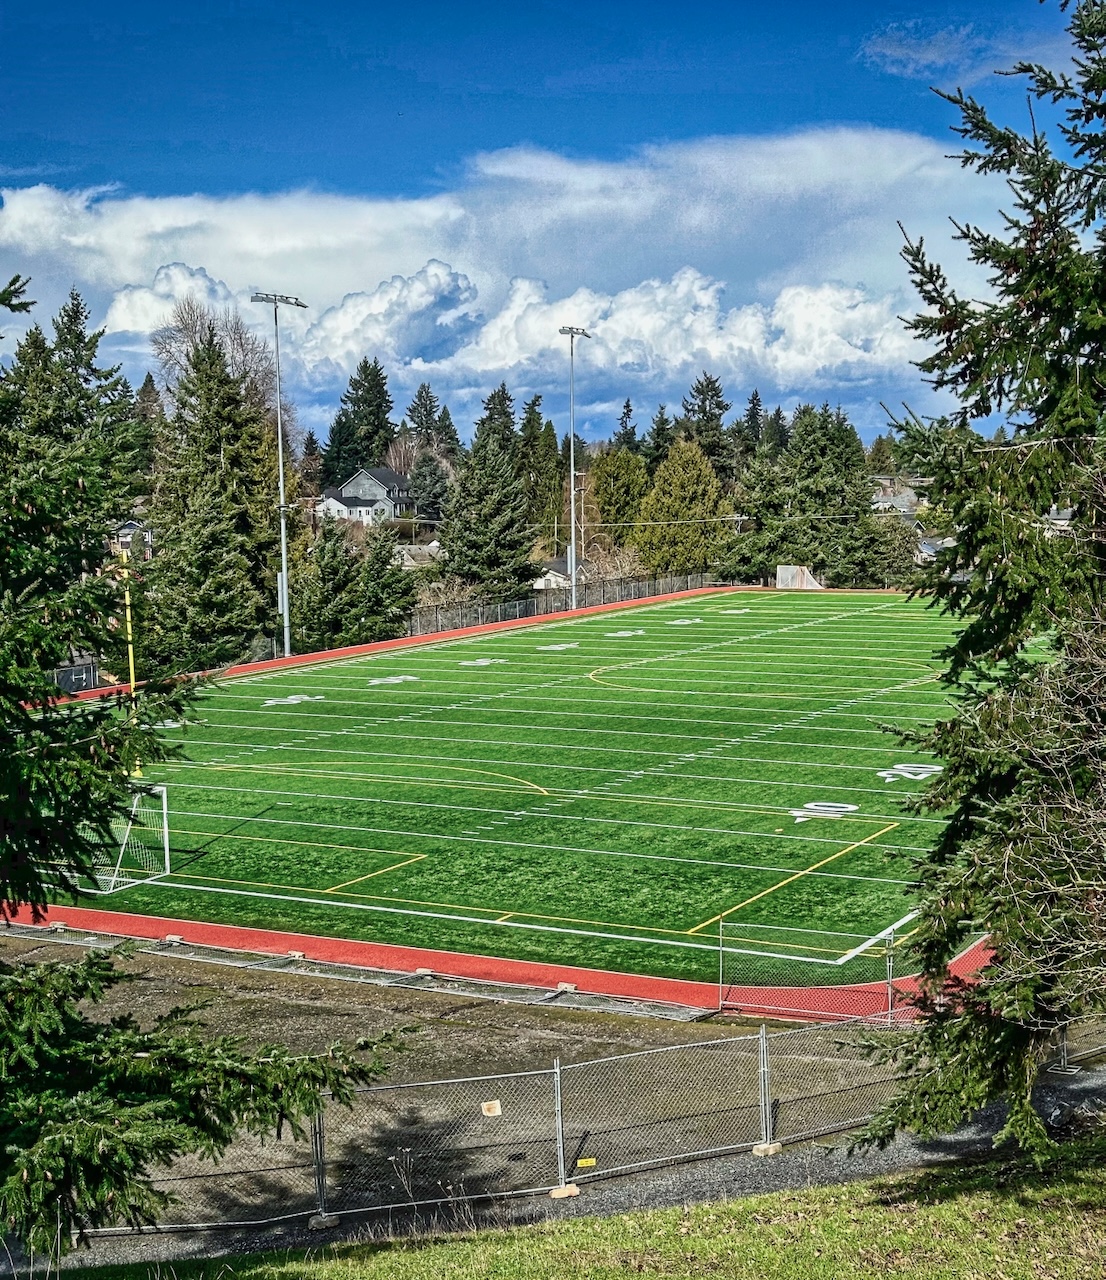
x: 372, y: 495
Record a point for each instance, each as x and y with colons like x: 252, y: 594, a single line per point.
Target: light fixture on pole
x: 572, y: 334
x: 275, y: 299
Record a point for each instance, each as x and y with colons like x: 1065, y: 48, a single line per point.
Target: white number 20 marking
x: 823, y: 809
x: 912, y: 772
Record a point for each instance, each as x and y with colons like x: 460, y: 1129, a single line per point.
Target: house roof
x: 382, y: 475
x: 350, y: 500
x: 386, y: 476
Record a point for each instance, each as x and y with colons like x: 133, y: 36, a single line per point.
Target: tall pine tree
x: 705, y: 406
x: 487, y: 537
x: 362, y: 429
x: 213, y: 514
x: 662, y: 435
x: 679, y: 529
x: 626, y: 435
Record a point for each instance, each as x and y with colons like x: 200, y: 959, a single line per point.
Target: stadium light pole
x: 572, y: 334
x: 275, y: 299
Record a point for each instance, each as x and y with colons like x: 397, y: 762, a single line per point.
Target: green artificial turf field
x: 599, y: 791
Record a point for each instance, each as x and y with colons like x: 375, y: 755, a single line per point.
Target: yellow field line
x: 418, y: 857
x: 791, y: 879
x: 306, y: 844
x: 500, y: 919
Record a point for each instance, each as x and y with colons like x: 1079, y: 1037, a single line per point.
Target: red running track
x: 800, y: 1003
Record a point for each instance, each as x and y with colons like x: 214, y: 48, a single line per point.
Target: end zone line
x: 791, y: 879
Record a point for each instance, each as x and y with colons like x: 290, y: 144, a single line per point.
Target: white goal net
x: 139, y: 850
x: 796, y: 577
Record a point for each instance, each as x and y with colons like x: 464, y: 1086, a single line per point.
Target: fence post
x: 891, y: 977
x: 765, y: 1088
x: 558, y: 1122
x: 322, y: 1218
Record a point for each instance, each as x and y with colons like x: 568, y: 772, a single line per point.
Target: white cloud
x: 764, y: 258
x: 138, y: 309
x: 963, y: 54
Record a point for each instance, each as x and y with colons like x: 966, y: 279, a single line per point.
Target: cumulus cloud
x: 772, y: 259
x: 142, y: 308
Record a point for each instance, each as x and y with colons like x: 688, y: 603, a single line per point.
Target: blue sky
x: 715, y: 185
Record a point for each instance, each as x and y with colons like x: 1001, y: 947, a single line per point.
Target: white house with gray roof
x: 370, y: 496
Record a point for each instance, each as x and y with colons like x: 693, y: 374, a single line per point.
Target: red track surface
x: 811, y: 1003
x: 805, y: 1003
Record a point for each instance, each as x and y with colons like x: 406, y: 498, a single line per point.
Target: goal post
x: 139, y: 849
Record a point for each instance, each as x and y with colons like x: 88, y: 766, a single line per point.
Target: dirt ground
x: 445, y: 1035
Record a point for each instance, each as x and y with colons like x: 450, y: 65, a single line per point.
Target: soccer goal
x: 796, y: 577
x: 812, y: 974
x: 139, y: 849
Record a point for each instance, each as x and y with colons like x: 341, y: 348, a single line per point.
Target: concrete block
x: 768, y: 1148
x: 565, y: 1193
x: 322, y: 1221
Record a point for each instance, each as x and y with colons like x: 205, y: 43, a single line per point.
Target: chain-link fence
x: 448, y: 1142
x: 451, y: 617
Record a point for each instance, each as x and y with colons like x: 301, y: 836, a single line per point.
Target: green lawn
x: 599, y: 791
x: 988, y: 1222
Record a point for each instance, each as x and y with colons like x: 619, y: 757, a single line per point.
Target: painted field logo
x: 912, y: 772
x: 823, y: 809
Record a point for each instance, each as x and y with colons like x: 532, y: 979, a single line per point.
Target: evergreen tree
x: 498, y: 420
x: 545, y: 515
x: 775, y: 433
x: 95, y: 1107
x: 881, y: 457
x: 362, y: 430
x: 662, y: 435
x: 423, y: 413
x: 448, y: 447
x: 382, y: 595
x: 679, y: 527
x: 753, y: 421
x: 203, y: 609
x: 311, y: 465
x: 811, y: 505
x: 619, y: 481
x: 742, y: 438
x: 149, y: 422
x: 529, y: 446
x: 704, y: 407
x: 429, y: 486
x: 486, y: 536
x: 626, y: 435
x: 1019, y: 854
x: 214, y: 522
x: 322, y: 576
x: 92, y: 1108
x: 64, y: 766
x: 343, y: 455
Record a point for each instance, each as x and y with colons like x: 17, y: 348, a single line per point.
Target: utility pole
x: 572, y: 334
x: 282, y: 586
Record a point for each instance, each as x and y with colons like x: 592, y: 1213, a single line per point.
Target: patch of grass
x: 594, y: 791
x: 1000, y: 1220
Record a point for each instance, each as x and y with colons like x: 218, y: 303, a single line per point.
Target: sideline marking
x: 791, y: 879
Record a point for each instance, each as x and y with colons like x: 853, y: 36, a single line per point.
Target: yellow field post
x: 126, y: 555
